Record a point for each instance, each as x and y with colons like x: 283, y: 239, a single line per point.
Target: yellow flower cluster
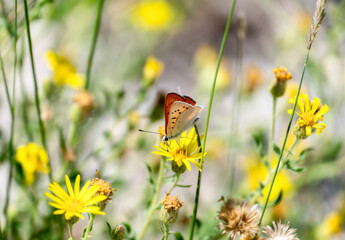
x: 310, y: 114
x: 33, y: 159
x: 153, y: 15
x: 64, y: 72
x: 282, y: 74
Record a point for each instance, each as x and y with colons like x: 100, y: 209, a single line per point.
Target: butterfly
x: 180, y: 114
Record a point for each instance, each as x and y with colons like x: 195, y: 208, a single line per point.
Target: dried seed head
x: 104, y: 189
x: 238, y: 218
x: 319, y: 15
x: 170, y: 209
x: 280, y: 231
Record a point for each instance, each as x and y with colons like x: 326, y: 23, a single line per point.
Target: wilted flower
x: 238, y: 218
x: 310, y: 114
x: 64, y: 72
x: 153, y: 15
x: 104, y: 189
x: 170, y: 209
x: 182, y: 151
x: 280, y: 232
x: 75, y: 202
x: 85, y: 101
x: 33, y: 159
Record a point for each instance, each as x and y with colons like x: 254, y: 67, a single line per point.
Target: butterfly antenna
x: 141, y: 130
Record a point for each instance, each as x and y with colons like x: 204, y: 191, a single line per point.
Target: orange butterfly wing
x: 170, y: 99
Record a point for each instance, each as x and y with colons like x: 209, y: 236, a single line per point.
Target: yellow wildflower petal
x: 187, y: 164
x: 322, y: 111
x: 316, y: 104
x: 77, y: 186
x: 96, y: 199
x: 58, y: 212
x: 195, y: 163
x: 55, y: 199
x: 308, y: 131
x: 69, y: 186
x: 307, y: 106
x: 84, y: 189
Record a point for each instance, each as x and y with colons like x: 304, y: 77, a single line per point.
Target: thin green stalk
x: 93, y: 43
x: 196, y: 202
x: 154, y: 199
x: 175, y: 183
x: 166, y: 231
x: 12, y: 109
x: 70, y: 228
x: 10, y: 145
x: 270, y: 144
x: 37, y: 99
x: 89, y: 226
x: 286, y: 136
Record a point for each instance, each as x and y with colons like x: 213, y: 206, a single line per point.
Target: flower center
x: 308, y: 118
x: 74, y: 205
x: 179, y: 154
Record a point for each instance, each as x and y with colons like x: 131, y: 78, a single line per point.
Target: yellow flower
x: 181, y: 151
x: 64, y: 72
x: 152, y: 70
x: 282, y: 74
x: 33, y: 159
x: 331, y: 225
x: 75, y: 202
x: 153, y: 15
x: 310, y: 114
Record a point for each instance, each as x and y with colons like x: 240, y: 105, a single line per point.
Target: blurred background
x: 185, y: 37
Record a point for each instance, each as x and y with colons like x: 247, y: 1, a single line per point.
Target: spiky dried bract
x: 280, y: 232
x: 238, y: 218
x: 319, y: 15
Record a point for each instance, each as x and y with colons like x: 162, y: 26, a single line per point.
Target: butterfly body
x: 180, y: 114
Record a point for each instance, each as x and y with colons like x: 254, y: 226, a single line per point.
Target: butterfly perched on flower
x: 180, y: 114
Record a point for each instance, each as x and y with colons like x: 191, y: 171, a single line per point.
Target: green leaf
x: 152, y: 182
x: 183, y: 186
x: 276, y: 149
x: 293, y: 168
x: 303, y: 154
x: 178, y: 236
x: 109, y: 228
x: 127, y: 226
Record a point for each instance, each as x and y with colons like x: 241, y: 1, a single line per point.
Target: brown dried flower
x: 170, y: 209
x: 85, y: 101
x: 238, y: 218
x: 104, y: 189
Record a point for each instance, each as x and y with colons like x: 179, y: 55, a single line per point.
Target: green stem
x: 70, y: 228
x: 270, y: 144
x: 226, y: 31
x: 10, y: 145
x: 89, y: 226
x: 166, y: 231
x: 286, y: 136
x: 154, y: 200
x: 175, y: 183
x: 37, y: 99
x: 93, y: 43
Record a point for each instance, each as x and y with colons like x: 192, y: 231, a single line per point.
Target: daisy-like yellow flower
x: 33, y: 159
x: 153, y: 15
x: 310, y: 114
x: 152, y: 70
x: 182, y: 151
x: 64, y: 72
x: 76, y: 201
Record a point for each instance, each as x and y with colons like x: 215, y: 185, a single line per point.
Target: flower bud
x: 118, y: 232
x: 72, y: 220
x: 278, y: 85
x: 300, y: 131
x: 170, y: 209
x: 178, y: 169
x: 85, y: 101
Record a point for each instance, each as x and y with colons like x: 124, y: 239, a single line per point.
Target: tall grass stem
x: 37, y: 99
x: 196, y: 201
x: 93, y: 43
x: 271, y: 141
